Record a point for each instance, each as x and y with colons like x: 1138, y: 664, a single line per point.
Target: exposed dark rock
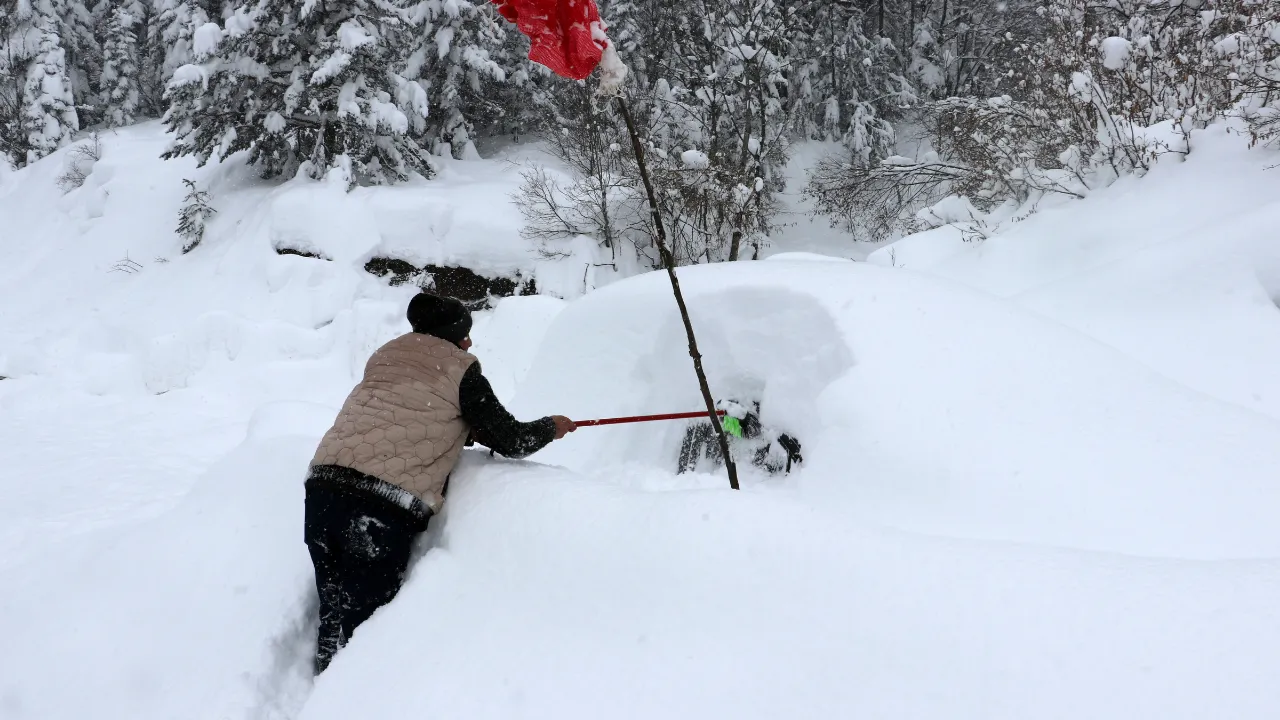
x: 473, y: 289
x: 400, y: 271
x: 299, y: 253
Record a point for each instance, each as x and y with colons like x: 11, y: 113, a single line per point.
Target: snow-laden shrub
x: 1095, y: 91
x: 599, y: 197
x: 195, y: 213
x: 79, y: 163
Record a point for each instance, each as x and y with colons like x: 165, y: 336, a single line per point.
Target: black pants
x: 360, y: 545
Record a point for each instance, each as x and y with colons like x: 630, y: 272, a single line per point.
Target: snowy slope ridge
x: 203, y: 612
x: 924, y: 407
x: 544, y: 594
x: 73, y: 312
x: 1179, y: 269
x: 558, y: 597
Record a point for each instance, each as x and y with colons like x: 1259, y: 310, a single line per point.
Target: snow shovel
x: 731, y: 424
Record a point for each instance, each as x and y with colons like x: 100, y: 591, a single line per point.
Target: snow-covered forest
x: 995, y: 102
x: 996, y: 281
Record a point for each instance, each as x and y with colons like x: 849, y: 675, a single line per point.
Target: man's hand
x: 564, y: 425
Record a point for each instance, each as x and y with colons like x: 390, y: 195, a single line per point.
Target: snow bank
x: 546, y: 595
x: 806, y: 256
x: 920, y: 406
x: 81, y: 272
x: 506, y: 339
x: 1179, y: 269
x: 78, y: 464
x: 205, y: 612
x: 541, y: 593
x: 922, y: 250
x: 799, y: 229
x: 979, y: 478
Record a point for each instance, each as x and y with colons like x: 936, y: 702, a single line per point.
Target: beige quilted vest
x: 402, y: 423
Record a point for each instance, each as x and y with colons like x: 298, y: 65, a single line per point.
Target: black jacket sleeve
x: 494, y: 427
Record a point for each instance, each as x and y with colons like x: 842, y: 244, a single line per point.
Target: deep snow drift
x: 925, y: 407
x: 1179, y: 269
x: 1011, y: 507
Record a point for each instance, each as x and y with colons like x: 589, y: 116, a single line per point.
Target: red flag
x: 567, y: 35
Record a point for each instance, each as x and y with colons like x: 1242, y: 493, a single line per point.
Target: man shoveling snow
x: 381, y: 470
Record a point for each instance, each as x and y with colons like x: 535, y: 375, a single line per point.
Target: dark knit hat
x: 443, y: 317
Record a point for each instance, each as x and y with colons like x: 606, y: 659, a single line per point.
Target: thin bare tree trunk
x: 669, y: 261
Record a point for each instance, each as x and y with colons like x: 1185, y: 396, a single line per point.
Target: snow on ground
x: 1014, y: 504
x: 552, y: 596
x: 923, y: 407
x: 241, y: 303
x: 202, y: 612
x: 799, y: 230
x: 1179, y: 269
x: 505, y: 338
x: 71, y: 470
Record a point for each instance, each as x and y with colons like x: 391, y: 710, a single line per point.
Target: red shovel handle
x: 644, y: 418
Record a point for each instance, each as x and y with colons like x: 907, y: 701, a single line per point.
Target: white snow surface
x: 1017, y: 500
x: 1115, y: 52
x: 206, y: 39
x: 1026, y: 432
x: 1179, y: 269
x: 695, y: 159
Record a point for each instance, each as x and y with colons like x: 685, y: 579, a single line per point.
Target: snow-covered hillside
x: 1040, y: 474
x: 1179, y: 269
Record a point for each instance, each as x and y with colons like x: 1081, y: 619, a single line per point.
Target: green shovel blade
x: 733, y: 427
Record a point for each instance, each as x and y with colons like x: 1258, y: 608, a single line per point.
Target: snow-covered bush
x: 1097, y: 90
x: 1253, y: 51
x: 710, y: 91
x: 600, y: 198
x: 195, y: 213
x: 79, y: 163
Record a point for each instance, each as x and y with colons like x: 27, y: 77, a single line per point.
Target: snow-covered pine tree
x: 12, y: 56
x: 300, y: 84
x: 118, y: 84
x: 195, y: 213
x: 177, y: 21
x: 48, y: 107
x: 149, y: 56
x: 527, y: 99
x: 82, y: 42
x: 37, y: 104
x: 625, y: 19
x: 958, y: 48
x: 454, y: 52
x: 850, y: 86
